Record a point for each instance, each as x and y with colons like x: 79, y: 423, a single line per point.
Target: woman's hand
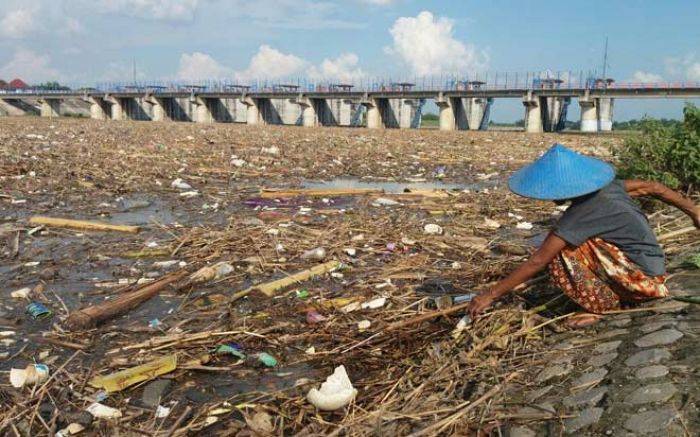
x: 480, y: 303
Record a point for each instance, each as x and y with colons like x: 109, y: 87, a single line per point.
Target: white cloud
x: 166, y: 10
x: 684, y: 67
x: 270, y: 63
x: 645, y: 77
x: 18, y: 23
x: 198, y: 66
x: 30, y: 67
x: 343, y: 68
x: 427, y: 45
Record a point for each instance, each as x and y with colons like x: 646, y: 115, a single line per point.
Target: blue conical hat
x: 561, y: 174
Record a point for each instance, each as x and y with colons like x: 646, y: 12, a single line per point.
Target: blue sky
x: 86, y: 41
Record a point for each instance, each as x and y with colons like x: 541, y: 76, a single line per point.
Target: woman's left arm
x: 638, y: 188
x: 550, y: 248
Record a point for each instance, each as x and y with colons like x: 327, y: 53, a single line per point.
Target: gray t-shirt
x: 612, y: 215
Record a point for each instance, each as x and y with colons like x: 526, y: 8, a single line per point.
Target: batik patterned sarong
x: 599, y: 277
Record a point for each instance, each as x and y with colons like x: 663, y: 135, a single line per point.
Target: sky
x: 89, y: 41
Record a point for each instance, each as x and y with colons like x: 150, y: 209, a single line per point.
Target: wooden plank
x: 81, y: 224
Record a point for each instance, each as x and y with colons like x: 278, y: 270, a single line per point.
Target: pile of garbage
x: 169, y: 281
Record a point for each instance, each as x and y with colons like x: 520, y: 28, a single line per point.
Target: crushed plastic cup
x: 318, y: 253
x: 22, y: 293
x: 335, y: 393
x: 374, y: 303
x: 103, y: 411
x: 524, y: 226
x: 432, y: 229
x: 180, y: 185
x: 38, y: 310
x: 214, y: 272
x: 31, y: 375
x: 461, y: 326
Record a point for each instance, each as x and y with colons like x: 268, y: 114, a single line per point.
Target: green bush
x: 665, y: 153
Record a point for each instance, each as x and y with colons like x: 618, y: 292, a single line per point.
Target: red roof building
x: 18, y: 84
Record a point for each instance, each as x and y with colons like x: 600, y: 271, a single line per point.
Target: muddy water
x: 392, y: 187
x: 84, y: 268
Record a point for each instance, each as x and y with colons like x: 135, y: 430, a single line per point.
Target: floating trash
x: 336, y: 392
x: 31, y: 375
x: 38, y: 310
x: 267, y: 359
x: 231, y: 349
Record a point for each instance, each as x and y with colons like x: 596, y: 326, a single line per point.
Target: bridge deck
x: 614, y: 92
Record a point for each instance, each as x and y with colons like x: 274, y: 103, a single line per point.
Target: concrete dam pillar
x: 533, y: 114
x: 99, y: 109
x: 374, y: 115
x: 477, y: 112
x: 116, y: 109
x: 407, y: 111
x: 554, y: 111
x: 50, y: 107
x: 161, y: 108
x: 605, y: 114
x: 253, y: 115
x: 309, y: 117
x: 589, y: 116
x: 473, y: 113
x: 202, y: 110
x: 447, y: 119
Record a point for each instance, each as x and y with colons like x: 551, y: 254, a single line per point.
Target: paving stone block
x: 586, y: 398
x: 607, y: 347
x: 650, y: 421
x: 649, y: 356
x: 648, y: 372
x: 553, y: 372
x: 620, y: 322
x: 652, y: 393
x: 659, y: 338
x: 521, y: 431
x: 586, y: 418
x: 590, y: 378
x: 655, y: 326
x: 536, y: 394
x: 612, y: 333
x: 602, y: 360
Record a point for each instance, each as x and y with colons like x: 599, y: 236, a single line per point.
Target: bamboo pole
x: 271, y: 193
x: 270, y: 288
x: 81, y: 224
x: 679, y: 232
x: 93, y: 315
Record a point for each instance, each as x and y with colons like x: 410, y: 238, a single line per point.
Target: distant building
x: 3, y: 85
x: 18, y: 84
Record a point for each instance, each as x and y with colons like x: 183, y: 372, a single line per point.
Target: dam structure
x: 463, y: 104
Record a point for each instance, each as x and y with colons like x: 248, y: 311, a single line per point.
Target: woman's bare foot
x: 583, y: 320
